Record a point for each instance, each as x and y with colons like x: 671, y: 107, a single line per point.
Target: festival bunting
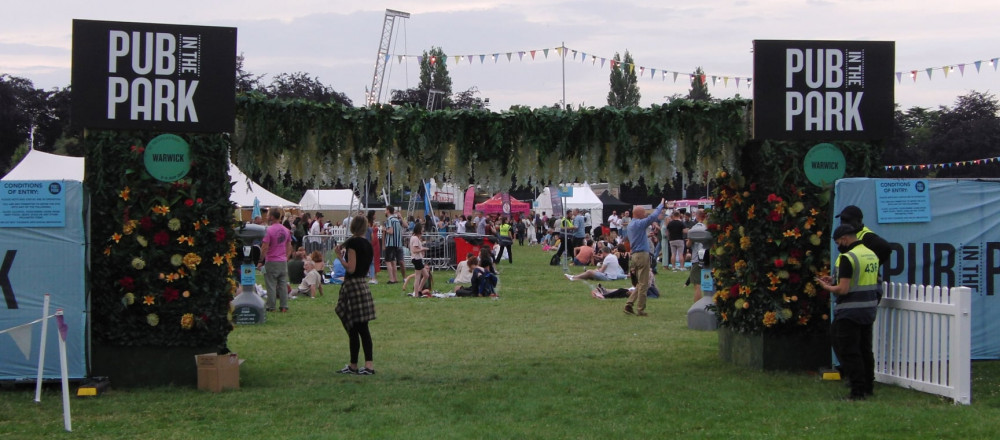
x: 937, y: 166
x: 716, y: 79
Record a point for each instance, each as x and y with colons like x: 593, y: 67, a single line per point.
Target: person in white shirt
x: 613, y: 225
x: 610, y: 269
x: 463, y: 274
x: 460, y: 225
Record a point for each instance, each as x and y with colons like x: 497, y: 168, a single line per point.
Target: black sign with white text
x: 823, y: 90
x: 147, y: 76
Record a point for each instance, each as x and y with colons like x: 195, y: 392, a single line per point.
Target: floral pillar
x: 161, y: 253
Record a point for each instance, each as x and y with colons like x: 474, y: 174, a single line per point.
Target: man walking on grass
x: 640, y: 261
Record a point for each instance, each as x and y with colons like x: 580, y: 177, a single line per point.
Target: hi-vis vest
x: 505, y: 230
x: 861, y: 301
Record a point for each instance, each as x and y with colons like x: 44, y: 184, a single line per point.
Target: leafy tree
x: 624, y: 84
x: 912, y: 131
x: 468, y: 100
x: 433, y: 76
x: 699, y: 88
x: 16, y: 115
x: 300, y: 85
x: 971, y: 130
x: 247, y: 82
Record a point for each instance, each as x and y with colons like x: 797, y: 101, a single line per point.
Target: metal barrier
x: 923, y: 339
x: 439, y: 250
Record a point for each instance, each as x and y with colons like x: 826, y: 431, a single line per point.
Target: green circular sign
x: 168, y: 158
x: 824, y: 164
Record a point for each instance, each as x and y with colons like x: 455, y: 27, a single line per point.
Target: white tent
x: 39, y: 165
x: 246, y: 190
x: 583, y: 198
x: 330, y: 200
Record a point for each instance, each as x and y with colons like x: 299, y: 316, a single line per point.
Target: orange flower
x: 744, y: 290
x: 751, y: 212
x: 161, y: 209
x: 185, y: 239
x: 116, y: 237
x: 171, y: 277
x: 217, y: 260
x: 775, y: 280
x: 107, y: 250
x: 187, y: 321
x: 813, y: 211
x: 148, y: 300
x: 124, y: 194
x: 810, y: 222
x: 197, y: 225
x: 770, y: 318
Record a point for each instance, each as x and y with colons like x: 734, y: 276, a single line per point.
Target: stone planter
x: 804, y: 352
x: 132, y: 367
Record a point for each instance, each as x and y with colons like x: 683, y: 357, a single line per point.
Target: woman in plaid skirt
x: 355, y: 306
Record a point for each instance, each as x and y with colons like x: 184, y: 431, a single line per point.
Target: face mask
x: 843, y: 249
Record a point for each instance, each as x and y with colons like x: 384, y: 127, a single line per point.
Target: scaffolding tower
x: 375, y: 93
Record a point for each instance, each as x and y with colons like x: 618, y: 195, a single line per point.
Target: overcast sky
x: 338, y: 41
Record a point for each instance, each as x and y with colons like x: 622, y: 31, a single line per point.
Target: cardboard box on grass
x: 217, y: 372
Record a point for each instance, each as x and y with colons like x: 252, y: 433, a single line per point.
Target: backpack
x: 488, y: 284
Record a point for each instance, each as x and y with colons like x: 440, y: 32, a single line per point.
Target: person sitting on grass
x: 426, y: 292
x: 337, y: 277
x: 477, y: 277
x: 584, y: 255
x: 311, y: 283
x: 609, y: 270
x: 463, y: 275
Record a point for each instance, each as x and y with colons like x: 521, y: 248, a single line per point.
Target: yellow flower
x: 751, y: 213
x: 192, y: 260
x: 138, y: 263
x: 814, y: 240
x: 740, y: 265
x: 174, y: 224
x: 770, y: 319
x: 187, y: 321
x: 161, y: 209
x: 809, y: 289
x: 124, y: 194
x: 176, y: 259
x: 129, y: 299
x: 796, y: 208
x: 141, y: 240
x: 786, y: 314
x: 152, y: 319
x: 148, y: 300
x: 745, y: 243
x: 217, y: 260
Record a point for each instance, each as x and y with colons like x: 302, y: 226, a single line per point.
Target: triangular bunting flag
x: 458, y: 59
x: 913, y: 74
x: 703, y: 79
x: 400, y: 58
x: 482, y: 58
x: 652, y: 73
x: 675, y: 76
x: 546, y: 52
x: 520, y: 55
x: 508, y: 56
x: 642, y: 71
x: 593, y: 61
x: 978, y: 65
x: 725, y: 81
x: 603, y: 60
x: 22, y: 337
x: 929, y: 70
x: 574, y: 55
x: 946, y: 70
x: 663, y: 75
x: 961, y: 69
x: 899, y: 77
x: 631, y: 68
x: 559, y: 50
x: 470, y: 58
x: 496, y: 57
x: 433, y: 61
x: 714, y: 79
x: 533, y: 54
x: 583, y: 56
x: 737, y: 82
x: 993, y: 63
x: 420, y: 59
x: 749, y: 80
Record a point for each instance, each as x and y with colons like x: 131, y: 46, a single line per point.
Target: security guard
x: 852, y: 215
x: 856, y: 291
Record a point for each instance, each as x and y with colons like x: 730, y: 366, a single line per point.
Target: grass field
x: 545, y: 360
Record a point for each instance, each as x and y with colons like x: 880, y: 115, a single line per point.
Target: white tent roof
x: 245, y: 190
x: 39, y: 165
x: 583, y: 198
x: 330, y: 200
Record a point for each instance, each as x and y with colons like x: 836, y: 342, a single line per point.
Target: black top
x: 675, y: 230
x: 363, y: 253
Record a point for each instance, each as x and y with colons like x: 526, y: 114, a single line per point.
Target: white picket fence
x: 923, y: 340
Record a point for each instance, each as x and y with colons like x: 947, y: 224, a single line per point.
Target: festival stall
x: 583, y: 198
x: 495, y: 206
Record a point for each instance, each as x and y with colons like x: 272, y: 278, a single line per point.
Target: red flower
x: 127, y: 283
x: 795, y: 253
x: 734, y: 290
x: 189, y: 202
x: 794, y: 278
x: 203, y: 317
x: 753, y: 187
x: 713, y: 227
x: 775, y: 216
x: 170, y: 294
x: 220, y: 234
x: 146, y: 223
x: 773, y: 198
x: 161, y: 238
x: 779, y: 263
x: 199, y: 200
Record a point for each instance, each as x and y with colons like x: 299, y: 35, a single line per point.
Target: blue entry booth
x: 44, y: 249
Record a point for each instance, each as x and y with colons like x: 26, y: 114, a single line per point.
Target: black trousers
x: 359, y: 336
x: 852, y: 343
